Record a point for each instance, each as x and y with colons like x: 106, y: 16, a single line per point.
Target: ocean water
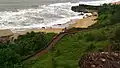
x: 25, y: 14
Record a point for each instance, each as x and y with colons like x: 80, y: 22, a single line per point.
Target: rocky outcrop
x: 100, y: 60
x: 84, y: 8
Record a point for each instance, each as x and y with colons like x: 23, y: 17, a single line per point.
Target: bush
x: 8, y: 58
x: 12, y: 53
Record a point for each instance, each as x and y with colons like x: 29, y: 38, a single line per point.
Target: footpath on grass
x: 85, y: 23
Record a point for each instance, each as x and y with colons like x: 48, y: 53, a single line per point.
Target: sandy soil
x: 5, y: 32
x: 48, y: 30
x: 84, y: 23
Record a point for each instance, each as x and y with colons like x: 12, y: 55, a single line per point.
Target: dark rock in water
x: 84, y: 8
x: 81, y: 14
x: 78, y: 9
x: 43, y: 27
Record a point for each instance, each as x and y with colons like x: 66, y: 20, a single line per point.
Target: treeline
x: 109, y: 18
x: 108, y: 15
x: 12, y: 53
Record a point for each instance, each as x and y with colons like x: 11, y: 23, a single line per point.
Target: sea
x: 19, y: 15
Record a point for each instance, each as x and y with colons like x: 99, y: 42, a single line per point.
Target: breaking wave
x: 43, y: 16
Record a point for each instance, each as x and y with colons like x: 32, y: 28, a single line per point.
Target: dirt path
x: 56, y: 39
x: 51, y: 44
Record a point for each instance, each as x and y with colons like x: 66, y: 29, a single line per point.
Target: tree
x: 8, y: 58
x: 30, y: 43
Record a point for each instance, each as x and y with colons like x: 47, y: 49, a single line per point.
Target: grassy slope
x: 69, y: 49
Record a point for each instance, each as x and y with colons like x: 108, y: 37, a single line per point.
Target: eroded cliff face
x: 84, y: 8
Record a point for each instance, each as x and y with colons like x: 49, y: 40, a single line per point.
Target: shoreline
x: 73, y: 23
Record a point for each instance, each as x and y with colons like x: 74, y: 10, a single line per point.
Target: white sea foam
x: 43, y: 16
x: 99, y: 2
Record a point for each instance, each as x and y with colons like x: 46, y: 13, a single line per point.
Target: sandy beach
x: 81, y: 23
x: 84, y: 23
x: 5, y: 32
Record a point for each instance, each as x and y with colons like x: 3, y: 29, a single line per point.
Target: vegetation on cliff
x: 68, y: 51
x: 12, y: 53
x: 108, y: 15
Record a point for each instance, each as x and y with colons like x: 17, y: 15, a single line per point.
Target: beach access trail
x: 89, y: 20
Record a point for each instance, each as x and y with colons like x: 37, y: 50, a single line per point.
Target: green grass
x: 68, y: 51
